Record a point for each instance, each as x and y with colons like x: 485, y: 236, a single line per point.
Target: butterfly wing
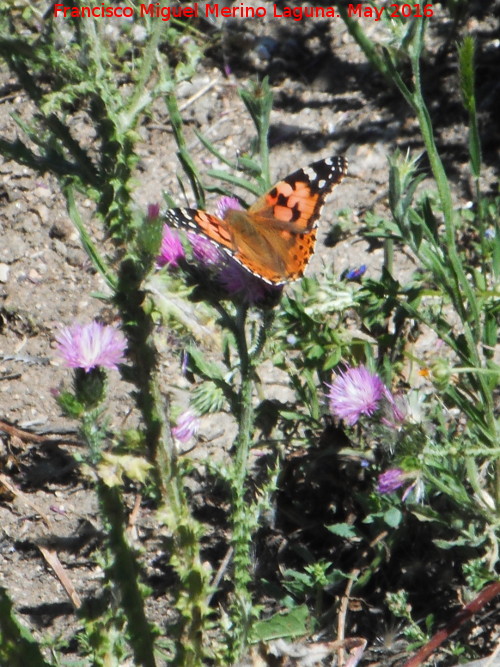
x: 295, y: 203
x: 201, y: 222
x: 237, y: 235
x: 287, y: 216
x: 275, y: 238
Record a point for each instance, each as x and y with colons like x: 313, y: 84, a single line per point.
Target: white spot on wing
x: 310, y: 173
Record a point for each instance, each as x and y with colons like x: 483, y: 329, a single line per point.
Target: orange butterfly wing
x: 275, y: 238
x: 201, y: 222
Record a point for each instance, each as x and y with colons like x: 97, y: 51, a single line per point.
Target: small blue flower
x: 354, y: 274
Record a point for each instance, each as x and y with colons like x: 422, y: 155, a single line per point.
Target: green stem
x: 85, y: 238
x: 183, y: 153
x: 389, y: 255
x: 141, y: 96
x: 364, y: 42
x: 143, y: 373
x: 479, y: 371
x: 242, y: 519
x: 194, y: 579
x: 125, y: 573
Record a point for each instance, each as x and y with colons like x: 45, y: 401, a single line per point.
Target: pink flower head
x: 171, y: 250
x: 355, y: 392
x: 87, y: 346
x: 226, y: 204
x: 187, y: 426
x: 390, y: 480
x: 204, y: 251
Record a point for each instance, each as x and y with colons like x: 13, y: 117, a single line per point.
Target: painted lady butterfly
x: 275, y: 238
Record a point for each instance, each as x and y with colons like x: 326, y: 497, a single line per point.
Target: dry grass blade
x: 52, y: 559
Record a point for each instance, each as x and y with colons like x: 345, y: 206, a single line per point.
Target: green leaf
x: 235, y: 180
x: 210, y: 147
x: 250, y: 165
x: 466, y: 63
x: 342, y: 530
x: 290, y: 624
x: 206, y: 369
x: 393, y: 517
x: 291, y: 415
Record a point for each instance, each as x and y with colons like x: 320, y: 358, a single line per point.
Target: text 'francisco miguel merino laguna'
x: 208, y: 10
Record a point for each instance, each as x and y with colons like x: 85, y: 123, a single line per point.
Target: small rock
x: 13, y: 247
x: 61, y: 229
x: 4, y: 272
x: 34, y: 276
x: 74, y: 257
x: 60, y: 247
x: 43, y: 212
x: 42, y: 191
x: 29, y: 224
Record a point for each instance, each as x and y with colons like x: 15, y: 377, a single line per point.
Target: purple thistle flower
x: 226, y: 204
x: 390, y: 480
x: 88, y: 346
x: 204, y: 251
x: 187, y: 426
x: 171, y: 250
x: 395, y: 478
x: 355, y: 392
x: 250, y: 289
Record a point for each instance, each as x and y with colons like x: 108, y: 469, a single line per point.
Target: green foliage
x: 289, y: 624
x: 400, y: 608
x: 103, y: 639
x: 314, y: 578
x: 17, y: 646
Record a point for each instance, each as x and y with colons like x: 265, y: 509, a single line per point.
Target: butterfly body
x: 274, y: 238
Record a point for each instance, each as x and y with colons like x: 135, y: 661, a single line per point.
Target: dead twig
x: 198, y: 94
x: 220, y: 573
x: 28, y: 436
x: 52, y: 559
x: 49, y: 554
x: 345, y: 601
x: 463, y: 615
